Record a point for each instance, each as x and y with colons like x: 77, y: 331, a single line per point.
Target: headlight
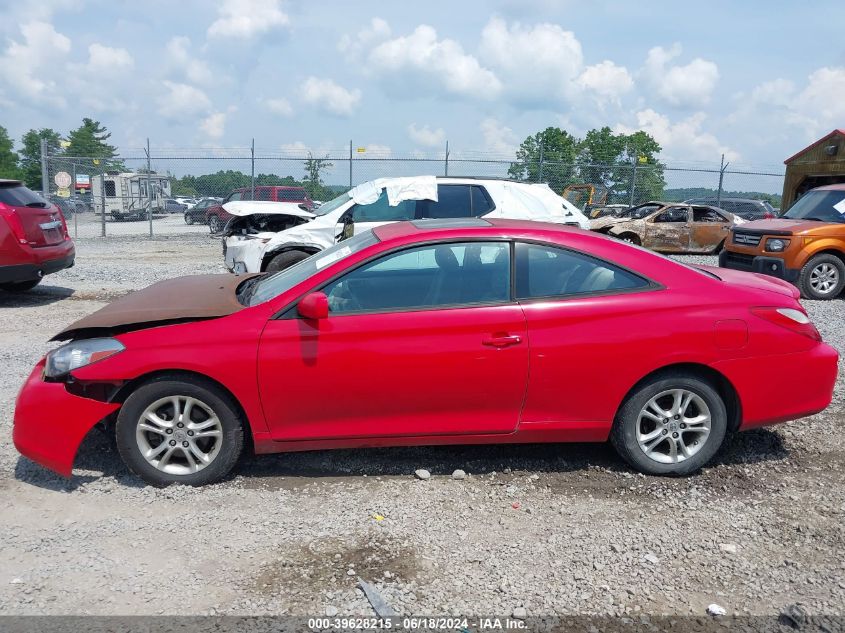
x: 776, y: 245
x: 77, y: 354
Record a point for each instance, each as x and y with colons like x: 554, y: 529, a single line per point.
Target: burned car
x: 671, y: 227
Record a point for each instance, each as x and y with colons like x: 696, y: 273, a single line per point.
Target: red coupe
x: 432, y: 332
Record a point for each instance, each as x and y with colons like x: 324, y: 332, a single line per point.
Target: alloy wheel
x: 824, y: 278
x: 673, y: 426
x: 179, y: 435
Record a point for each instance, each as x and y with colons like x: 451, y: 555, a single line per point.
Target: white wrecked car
x: 270, y: 236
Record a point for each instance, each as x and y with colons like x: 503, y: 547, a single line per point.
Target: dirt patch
x: 325, y: 564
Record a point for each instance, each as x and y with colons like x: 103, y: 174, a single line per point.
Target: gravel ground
x: 553, y: 530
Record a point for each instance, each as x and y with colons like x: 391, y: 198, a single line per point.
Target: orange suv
x: 805, y: 246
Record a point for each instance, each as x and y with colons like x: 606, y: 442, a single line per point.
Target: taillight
x: 14, y: 222
x: 768, y: 215
x: 64, y: 223
x: 789, y: 318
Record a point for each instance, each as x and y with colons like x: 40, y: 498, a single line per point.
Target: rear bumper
x: 36, y: 269
x: 782, y: 387
x: 50, y: 423
x: 772, y: 266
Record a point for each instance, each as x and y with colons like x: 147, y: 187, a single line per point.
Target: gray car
x: 173, y: 206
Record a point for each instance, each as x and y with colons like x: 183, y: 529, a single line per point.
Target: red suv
x: 216, y: 217
x: 33, y: 238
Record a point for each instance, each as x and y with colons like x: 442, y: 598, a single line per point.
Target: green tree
x: 31, y: 154
x: 89, y: 140
x: 8, y: 157
x: 313, y: 183
x: 557, y: 167
x: 600, y: 158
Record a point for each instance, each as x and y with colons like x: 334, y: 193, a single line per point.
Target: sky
x: 756, y: 81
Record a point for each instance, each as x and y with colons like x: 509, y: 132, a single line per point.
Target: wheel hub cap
x: 673, y: 426
x: 179, y: 435
x: 824, y: 278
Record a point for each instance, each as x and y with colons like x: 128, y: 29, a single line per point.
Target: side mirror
x: 314, y: 306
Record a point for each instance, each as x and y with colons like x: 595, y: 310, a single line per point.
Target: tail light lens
x: 768, y: 215
x: 64, y: 222
x: 14, y: 222
x: 789, y: 318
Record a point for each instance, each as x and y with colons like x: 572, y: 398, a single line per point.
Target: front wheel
x: 823, y: 277
x: 671, y: 425
x: 179, y: 431
x: 631, y: 238
x: 189, y: 219
x: 285, y: 260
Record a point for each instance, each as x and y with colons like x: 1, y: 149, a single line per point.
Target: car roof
x: 470, y: 227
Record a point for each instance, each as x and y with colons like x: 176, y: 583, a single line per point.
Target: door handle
x: 503, y: 340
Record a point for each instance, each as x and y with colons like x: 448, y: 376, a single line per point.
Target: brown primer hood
x: 171, y: 301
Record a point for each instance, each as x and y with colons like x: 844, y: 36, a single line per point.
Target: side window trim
x: 517, y: 257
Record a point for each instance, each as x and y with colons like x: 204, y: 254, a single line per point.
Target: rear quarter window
x: 20, y: 196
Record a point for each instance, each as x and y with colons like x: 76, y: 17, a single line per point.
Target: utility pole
x: 45, y: 173
x: 149, y: 189
x: 722, y: 169
x: 252, y: 170
x: 446, y: 168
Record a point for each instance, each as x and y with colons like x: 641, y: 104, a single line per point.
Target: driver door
x: 421, y: 342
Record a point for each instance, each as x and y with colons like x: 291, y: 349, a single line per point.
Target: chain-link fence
x: 167, y: 191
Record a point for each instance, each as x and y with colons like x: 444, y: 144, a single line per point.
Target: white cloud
x: 182, y: 102
x: 30, y: 67
x: 377, y: 31
x: 281, y: 106
x: 426, y: 136
x: 214, y: 125
x: 297, y: 148
x: 606, y: 81
x: 681, y: 86
x: 248, y: 18
x: 105, y: 61
x: 421, y: 60
x: 498, y: 138
x: 535, y: 63
x: 194, y: 70
x: 329, y: 97
x: 374, y: 150
x: 683, y: 140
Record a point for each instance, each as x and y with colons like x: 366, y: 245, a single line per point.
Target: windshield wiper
x: 37, y: 205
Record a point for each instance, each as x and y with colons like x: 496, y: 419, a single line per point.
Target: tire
x: 823, y: 277
x: 705, y: 400
x: 182, y: 465
x: 20, y: 286
x: 285, y: 260
x: 189, y: 219
x: 215, y: 224
x: 631, y: 238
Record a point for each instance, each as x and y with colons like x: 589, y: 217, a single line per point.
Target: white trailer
x: 129, y: 195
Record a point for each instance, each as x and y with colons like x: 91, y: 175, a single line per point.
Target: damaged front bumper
x: 244, y: 254
x: 50, y: 423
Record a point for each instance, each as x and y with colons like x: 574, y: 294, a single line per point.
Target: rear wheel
x: 285, y: 260
x: 671, y: 425
x: 823, y: 277
x: 189, y: 219
x: 20, y: 286
x: 179, y: 431
x: 215, y: 224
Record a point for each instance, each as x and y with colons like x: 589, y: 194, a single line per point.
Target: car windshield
x: 265, y: 288
x: 822, y: 206
x: 331, y: 205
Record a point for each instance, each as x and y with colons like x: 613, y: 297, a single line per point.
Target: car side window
x: 424, y: 277
x: 482, y: 204
x: 235, y: 195
x: 706, y: 214
x: 381, y: 211
x: 548, y: 271
x: 263, y: 193
x: 453, y: 201
x: 673, y: 214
